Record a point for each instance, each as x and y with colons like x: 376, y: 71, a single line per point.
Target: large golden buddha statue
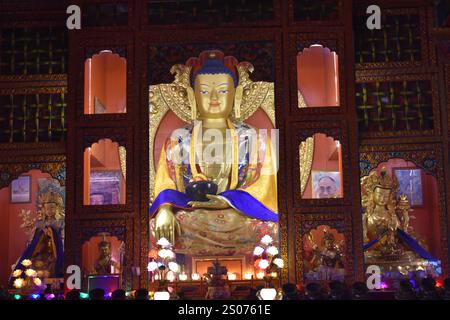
x: 215, y: 189
x: 388, y: 235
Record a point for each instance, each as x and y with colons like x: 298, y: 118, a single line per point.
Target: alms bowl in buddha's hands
x: 198, y: 190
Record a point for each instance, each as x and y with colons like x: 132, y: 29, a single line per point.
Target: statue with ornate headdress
x: 214, y: 190
x: 45, y: 248
x: 327, y: 258
x: 388, y: 236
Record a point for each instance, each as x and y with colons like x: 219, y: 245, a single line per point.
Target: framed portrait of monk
x: 21, y: 189
x: 326, y: 184
x: 410, y: 184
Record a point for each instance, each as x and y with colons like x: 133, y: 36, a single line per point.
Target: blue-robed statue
x: 46, y: 248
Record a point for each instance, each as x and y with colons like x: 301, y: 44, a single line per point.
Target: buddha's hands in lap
x: 214, y: 202
x: 166, y: 225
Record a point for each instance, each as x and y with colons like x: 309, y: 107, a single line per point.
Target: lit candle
x: 195, y: 276
x: 260, y: 275
x: 170, y: 276
x: 232, y: 276
x: 248, y: 276
x: 183, y: 277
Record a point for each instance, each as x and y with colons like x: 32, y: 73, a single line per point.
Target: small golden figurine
x: 327, y: 260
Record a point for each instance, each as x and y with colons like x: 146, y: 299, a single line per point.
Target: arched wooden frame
x: 121, y: 55
x: 307, y: 69
x: 306, y: 163
x: 338, y: 132
x: 340, y: 221
x: 85, y: 140
x: 314, y: 226
x: 11, y: 171
x: 334, y: 41
x: 89, y: 45
x: 121, y: 229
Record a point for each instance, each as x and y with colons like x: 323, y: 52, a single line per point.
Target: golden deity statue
x: 215, y: 187
x: 388, y: 235
x: 327, y: 259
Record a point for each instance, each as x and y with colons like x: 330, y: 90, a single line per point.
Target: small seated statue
x: 327, y: 261
x: 105, y: 264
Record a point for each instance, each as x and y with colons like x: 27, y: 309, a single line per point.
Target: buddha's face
x: 105, y: 251
x: 214, y: 94
x: 381, y: 196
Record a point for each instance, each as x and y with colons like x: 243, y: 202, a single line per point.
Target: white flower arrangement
x: 267, y: 259
x: 164, y: 268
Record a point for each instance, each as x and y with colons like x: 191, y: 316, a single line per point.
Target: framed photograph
x: 105, y: 187
x: 410, y: 183
x: 21, y: 189
x: 326, y: 184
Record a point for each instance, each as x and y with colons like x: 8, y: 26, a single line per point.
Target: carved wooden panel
x: 26, y: 51
x: 83, y: 230
x: 401, y: 42
x: 85, y: 139
x: 163, y: 57
x: 390, y: 104
x: 55, y: 165
x: 211, y: 13
x: 341, y: 221
x: 310, y: 12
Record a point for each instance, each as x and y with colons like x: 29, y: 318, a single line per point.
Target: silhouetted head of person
x: 337, y: 289
x: 259, y: 288
x: 289, y: 291
x: 141, y: 294
x: 406, y: 285
x: 119, y: 294
x: 253, y: 294
x: 97, y: 294
x: 73, y: 295
x: 4, y: 294
x: 289, y: 288
x: 447, y: 284
x: 428, y: 284
x: 313, y: 291
x: 359, y: 290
